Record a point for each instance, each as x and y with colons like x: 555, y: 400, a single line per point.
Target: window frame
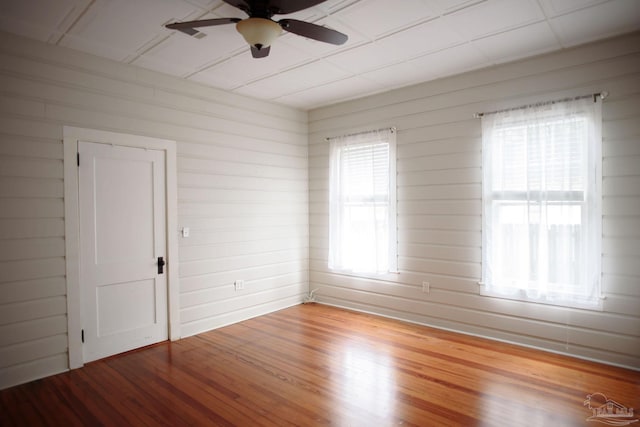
x: 336, y: 204
x: 589, y: 198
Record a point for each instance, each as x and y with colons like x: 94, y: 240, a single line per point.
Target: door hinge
x: 78, y: 159
x: 82, y: 335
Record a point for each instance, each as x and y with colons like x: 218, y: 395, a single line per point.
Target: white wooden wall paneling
x: 14, y: 166
x: 242, y: 190
x: 91, y: 70
x: 226, y: 128
x: 204, y: 151
x: 440, y: 222
x: 193, y: 180
x: 229, y: 317
x: 245, y: 235
x: 624, y: 303
x: 438, y: 295
x: 461, y: 105
x: 194, y: 283
x: 22, y: 249
x: 32, y: 350
x: 30, y: 310
x: 439, y: 193
x: 190, y: 208
x: 23, y: 127
x: 616, y: 246
x: 239, y: 263
x: 31, y: 149
x: 568, y: 58
x: 31, y: 269
x: 30, y: 187
x: 31, y: 228
x: 25, y: 290
x: 20, y: 332
x: 31, y: 208
x: 236, y: 231
x: 114, y: 96
x: 559, y: 332
x: 203, y: 252
x: 28, y: 369
x: 232, y: 167
x: 240, y: 301
x: 226, y: 290
x: 215, y: 223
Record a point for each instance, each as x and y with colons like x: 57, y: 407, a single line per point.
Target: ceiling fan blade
x: 188, y: 26
x: 260, y: 53
x: 313, y: 31
x: 282, y: 7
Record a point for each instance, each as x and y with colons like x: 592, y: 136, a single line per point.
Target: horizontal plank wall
x: 439, y: 202
x: 242, y: 190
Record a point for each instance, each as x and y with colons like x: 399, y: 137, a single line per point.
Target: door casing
x: 71, y: 136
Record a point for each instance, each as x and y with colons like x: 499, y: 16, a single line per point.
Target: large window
x: 542, y: 203
x: 362, y: 217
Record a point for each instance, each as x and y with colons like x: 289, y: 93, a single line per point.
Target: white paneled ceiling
x: 392, y: 43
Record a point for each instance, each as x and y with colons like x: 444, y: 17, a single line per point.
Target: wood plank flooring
x: 314, y: 365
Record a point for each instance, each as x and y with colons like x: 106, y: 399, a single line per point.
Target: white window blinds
x: 542, y: 203
x: 362, y: 218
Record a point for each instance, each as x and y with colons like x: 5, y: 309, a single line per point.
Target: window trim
x: 368, y: 138
x: 584, y: 197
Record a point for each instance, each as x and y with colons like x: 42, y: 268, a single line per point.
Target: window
x: 362, y: 217
x: 542, y: 203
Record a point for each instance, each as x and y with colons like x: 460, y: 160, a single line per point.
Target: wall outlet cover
x: 426, y: 287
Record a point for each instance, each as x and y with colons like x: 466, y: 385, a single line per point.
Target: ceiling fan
x: 259, y: 30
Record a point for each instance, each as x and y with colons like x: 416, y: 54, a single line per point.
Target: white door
x: 122, y: 237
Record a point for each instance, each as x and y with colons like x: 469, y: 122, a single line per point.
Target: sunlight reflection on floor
x: 526, y: 407
x: 368, y: 379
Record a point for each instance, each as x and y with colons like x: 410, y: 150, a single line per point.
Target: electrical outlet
x: 239, y: 285
x: 426, y: 287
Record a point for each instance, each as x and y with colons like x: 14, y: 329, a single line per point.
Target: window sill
x: 521, y: 296
x: 391, y: 276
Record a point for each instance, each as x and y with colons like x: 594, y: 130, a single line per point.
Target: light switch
x: 185, y: 231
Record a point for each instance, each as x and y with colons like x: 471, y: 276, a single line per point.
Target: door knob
x: 161, y: 264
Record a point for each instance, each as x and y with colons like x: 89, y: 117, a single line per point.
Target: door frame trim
x: 71, y: 136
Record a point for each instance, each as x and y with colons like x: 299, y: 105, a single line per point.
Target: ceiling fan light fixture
x: 259, y: 32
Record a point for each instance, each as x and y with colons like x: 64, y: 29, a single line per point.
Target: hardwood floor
x: 317, y: 365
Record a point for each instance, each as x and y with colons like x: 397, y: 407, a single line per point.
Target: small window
x: 362, y: 217
x: 542, y: 203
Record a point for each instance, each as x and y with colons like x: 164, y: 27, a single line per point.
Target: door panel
x: 122, y: 234
x: 124, y: 208
x: 136, y: 302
